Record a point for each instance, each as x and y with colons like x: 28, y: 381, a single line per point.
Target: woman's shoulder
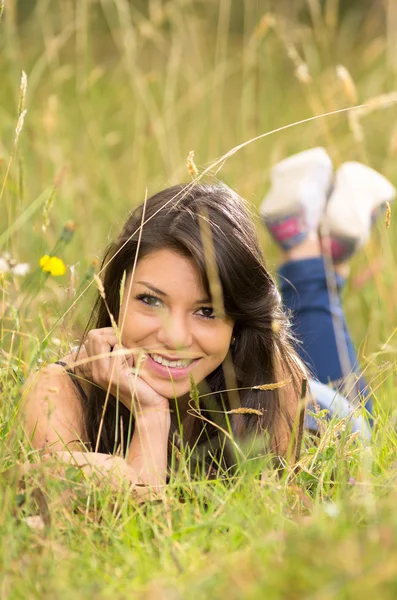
x: 52, y: 406
x: 53, y: 382
x: 53, y: 374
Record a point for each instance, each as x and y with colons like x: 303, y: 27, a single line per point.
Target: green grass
x: 118, y: 94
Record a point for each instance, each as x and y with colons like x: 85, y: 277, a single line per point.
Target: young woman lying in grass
x: 173, y: 310
x: 177, y: 326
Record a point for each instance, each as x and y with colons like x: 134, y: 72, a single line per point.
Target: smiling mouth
x: 180, y: 363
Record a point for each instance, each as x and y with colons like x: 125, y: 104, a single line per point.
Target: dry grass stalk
x: 100, y: 287
x: 101, y: 290
x: 263, y: 387
x: 19, y: 126
x: 21, y: 118
x: 50, y: 200
x: 356, y: 127
x: 267, y: 22
x: 122, y: 287
x: 272, y: 386
x: 331, y: 14
x: 211, y: 264
x: 388, y: 215
x: 244, y: 411
x: 301, y: 418
x: 348, y: 85
x: 301, y: 68
x: 22, y: 92
x: 1, y: 9
x: 302, y: 73
x: 46, y: 209
x: 132, y: 275
x: 191, y: 165
x: 216, y: 293
x: 377, y: 103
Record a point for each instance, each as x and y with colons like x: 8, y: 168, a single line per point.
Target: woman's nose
x: 174, y: 332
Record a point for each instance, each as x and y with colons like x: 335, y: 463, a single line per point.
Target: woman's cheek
x: 218, y: 340
x: 136, y: 329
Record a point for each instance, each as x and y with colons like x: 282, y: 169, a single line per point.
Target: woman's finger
x: 118, y: 366
x: 98, y: 346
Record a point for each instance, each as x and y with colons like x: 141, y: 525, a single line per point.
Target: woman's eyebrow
x: 205, y: 300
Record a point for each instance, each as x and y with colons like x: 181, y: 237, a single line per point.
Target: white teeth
x: 171, y: 363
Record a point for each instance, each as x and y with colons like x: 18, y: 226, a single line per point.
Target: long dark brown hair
x: 262, y: 351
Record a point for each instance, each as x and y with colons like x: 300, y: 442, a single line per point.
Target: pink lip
x: 167, y: 372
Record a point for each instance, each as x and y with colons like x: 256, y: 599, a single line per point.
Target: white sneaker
x: 358, y: 195
x: 295, y: 203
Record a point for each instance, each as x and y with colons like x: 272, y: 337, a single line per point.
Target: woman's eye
x: 150, y: 300
x: 207, y: 312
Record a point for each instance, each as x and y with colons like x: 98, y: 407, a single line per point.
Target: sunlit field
x: 101, y: 103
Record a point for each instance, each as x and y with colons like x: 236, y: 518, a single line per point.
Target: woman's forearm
x: 98, y: 467
x: 147, y: 454
x: 145, y: 468
x: 102, y: 468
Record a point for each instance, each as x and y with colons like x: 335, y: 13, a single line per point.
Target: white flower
x: 21, y: 269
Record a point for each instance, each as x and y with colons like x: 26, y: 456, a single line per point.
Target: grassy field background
x: 117, y: 94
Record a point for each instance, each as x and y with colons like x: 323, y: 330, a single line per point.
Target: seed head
x: 19, y: 126
x: 302, y: 73
x: 100, y: 287
x: 272, y: 386
x: 388, y: 215
x: 348, y: 85
x: 267, y: 22
x: 68, y: 231
x: 191, y: 166
x: 245, y: 411
x: 22, y: 92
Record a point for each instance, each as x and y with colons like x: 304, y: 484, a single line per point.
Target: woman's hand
x: 111, y: 366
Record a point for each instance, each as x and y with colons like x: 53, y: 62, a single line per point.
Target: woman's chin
x: 170, y: 390
x: 169, y: 385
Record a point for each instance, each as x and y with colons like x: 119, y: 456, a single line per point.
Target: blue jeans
x: 319, y: 324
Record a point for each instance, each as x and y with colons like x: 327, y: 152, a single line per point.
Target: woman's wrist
x: 147, y: 452
x: 158, y: 413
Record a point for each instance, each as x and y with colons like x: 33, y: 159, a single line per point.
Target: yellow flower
x: 53, y: 265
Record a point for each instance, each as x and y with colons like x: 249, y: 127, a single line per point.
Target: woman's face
x: 169, y: 317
